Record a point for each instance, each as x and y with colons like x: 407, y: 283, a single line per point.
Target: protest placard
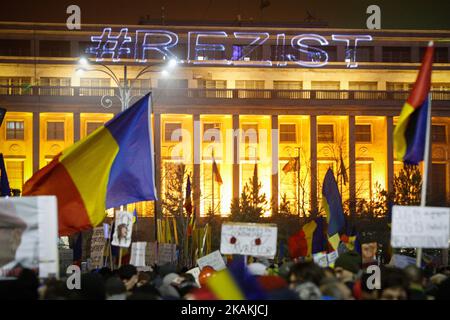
x: 98, y: 243
x: 151, y: 253
x: 65, y: 259
x: 138, y: 254
x: 332, y: 257
x: 401, y: 261
x: 214, y: 259
x: 320, y: 259
x: 420, y: 227
x: 123, y: 229
x: 253, y: 239
x: 195, y: 273
x: 29, y: 234
x: 167, y: 253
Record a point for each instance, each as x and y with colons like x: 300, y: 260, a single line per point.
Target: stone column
x: 76, y: 126
x: 197, y: 162
x: 313, y: 155
x: 235, y: 156
x: 275, y: 139
x: 36, y: 141
x: 352, y: 164
x: 390, y: 153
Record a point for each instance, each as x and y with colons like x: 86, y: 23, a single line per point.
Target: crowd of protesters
x: 303, y: 280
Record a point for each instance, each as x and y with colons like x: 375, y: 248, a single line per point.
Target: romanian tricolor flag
x: 309, y: 240
x: 332, y: 204
x: 111, y: 167
x: 410, y: 131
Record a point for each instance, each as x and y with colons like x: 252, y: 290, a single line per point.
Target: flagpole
x: 426, y: 156
x: 212, y: 181
x: 297, y: 167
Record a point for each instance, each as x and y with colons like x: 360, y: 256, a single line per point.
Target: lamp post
x: 125, y: 91
x: 125, y: 96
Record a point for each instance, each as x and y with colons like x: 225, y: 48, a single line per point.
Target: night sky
x: 396, y: 14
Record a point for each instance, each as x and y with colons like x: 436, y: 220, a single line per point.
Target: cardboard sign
x: 253, y: 239
x: 29, y: 234
x: 196, y: 273
x: 151, y: 253
x: 65, y: 259
x: 420, y: 227
x: 167, y: 253
x: 332, y: 257
x: 138, y: 254
x: 320, y: 259
x: 123, y: 229
x: 401, y: 261
x: 214, y: 259
x: 98, y: 243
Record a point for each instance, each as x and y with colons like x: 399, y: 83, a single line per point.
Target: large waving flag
x: 309, y: 240
x: 5, y: 190
x: 332, y: 203
x: 113, y: 166
x: 410, y: 131
x: 2, y: 115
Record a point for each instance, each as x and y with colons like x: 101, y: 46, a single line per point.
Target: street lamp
x: 124, y: 90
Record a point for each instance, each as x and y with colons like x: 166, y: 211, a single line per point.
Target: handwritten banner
x: 420, y: 227
x: 253, y: 239
x: 98, y: 243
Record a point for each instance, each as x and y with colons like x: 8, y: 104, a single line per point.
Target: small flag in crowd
x: 5, y: 190
x: 410, y: 131
x: 135, y: 216
x: 216, y: 172
x: 2, y: 115
x: 111, y: 167
x: 292, y: 165
x: 332, y: 203
x: 188, y: 200
x: 343, y: 171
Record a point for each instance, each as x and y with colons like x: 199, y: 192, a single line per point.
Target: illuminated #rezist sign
x: 208, y: 47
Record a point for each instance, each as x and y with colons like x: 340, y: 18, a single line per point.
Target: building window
x: 364, y: 54
x: 247, y: 53
x: 325, y: 133
x: 97, y: 87
x: 14, y: 47
x: 438, y: 133
x: 55, y: 130
x: 287, y: 85
x: 211, y: 132
x: 14, y: 170
x: 250, y: 133
x: 213, y: 89
x: 202, y: 55
x: 54, y: 82
x: 398, y: 86
x: 396, y: 54
x: 288, y: 133
x: 92, y: 126
x: 363, y: 133
x: 14, y: 130
x: 439, y: 185
x: 54, y: 48
x: 362, y: 86
x: 440, y: 54
x: 172, y: 130
x: 15, y: 86
x: 363, y: 180
x: 249, y: 89
x: 173, y: 83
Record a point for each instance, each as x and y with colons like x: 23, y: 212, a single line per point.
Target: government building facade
x: 238, y: 96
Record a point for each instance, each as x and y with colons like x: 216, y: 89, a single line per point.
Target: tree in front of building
x: 252, y: 203
x: 408, y: 186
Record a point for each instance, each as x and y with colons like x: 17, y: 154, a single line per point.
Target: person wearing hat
x: 347, y: 267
